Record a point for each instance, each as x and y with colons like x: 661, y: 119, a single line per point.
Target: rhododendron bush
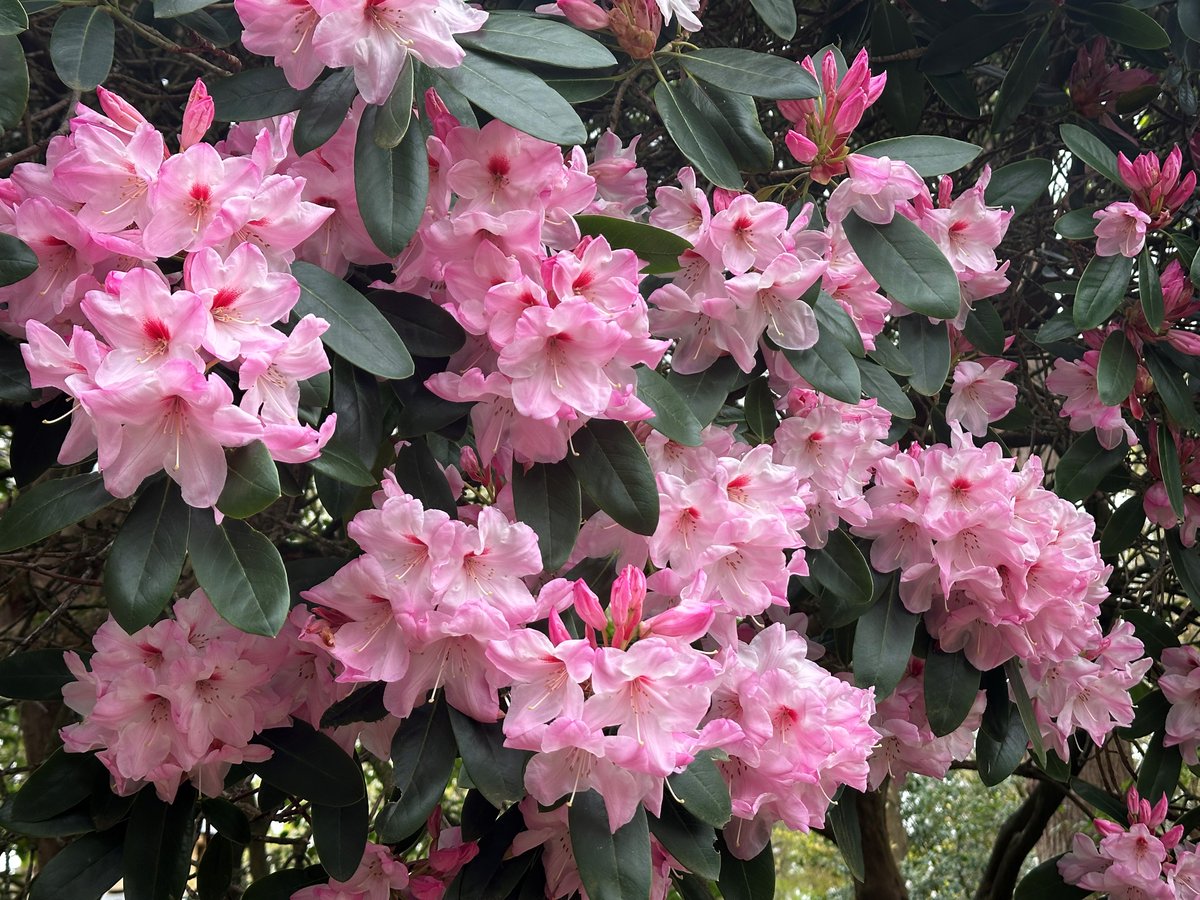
x: 516, y: 450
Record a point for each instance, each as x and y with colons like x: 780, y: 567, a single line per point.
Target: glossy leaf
x: 423, y: 754
x: 17, y: 261
x: 985, y: 329
x: 847, y: 832
x: 778, y: 15
x: 229, y: 820
x: 426, y: 328
x: 702, y: 790
x: 970, y: 40
x: 358, y: 332
x: 1019, y: 185
x: 497, y: 771
x: 877, y: 383
x: 254, y: 94
x: 252, y: 483
x: 324, y: 110
x: 951, y: 686
x: 613, y: 469
x: 391, y: 185
x: 13, y: 18
x: 214, y: 874
x: 672, y: 415
x: 1021, y: 80
x: 705, y: 392
x: 1083, y: 467
x: 1117, y: 369
x: 1124, y: 528
x: 883, y: 641
x: 419, y: 474
x: 829, y: 367
x: 1043, y: 882
x: 1089, y: 148
x: 687, y: 839
x: 158, y: 845
x: 1122, y: 23
x: 83, y: 870
x: 1169, y: 468
x: 695, y: 137
x: 61, y: 782
x: 612, y: 866
x: 761, y: 416
x: 888, y: 355
x: 307, y: 764
x: 1170, y: 386
x: 363, y: 704
x: 747, y: 879
x: 1078, y: 224
x: 1189, y: 18
x: 241, y: 571
x: 748, y: 72
x: 514, y: 95
x: 1025, y: 709
x: 833, y: 320
x: 282, y: 884
x: 143, y: 567
x: 1186, y: 563
x: 1160, y: 769
x: 340, y: 836
x: 394, y: 116
x: 49, y: 507
x: 907, y: 264
x: 1150, y: 290
x: 927, y: 346
x: 1103, y: 287
x: 841, y: 570
x: 734, y: 117
x: 998, y: 758
x: 14, y: 80
x: 34, y: 675
x: 930, y: 155
x: 547, y: 498
x: 81, y: 46
x: 658, y: 249
x: 521, y: 36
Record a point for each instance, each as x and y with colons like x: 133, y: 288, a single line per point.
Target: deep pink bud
x: 468, y: 461
x: 689, y: 621
x: 722, y: 197
x: 584, y: 14
x: 558, y: 631
x: 440, y: 117
x: 587, y: 604
x: 1172, y: 836
x: 625, y: 604
x: 197, y: 116
x: 1106, y: 827
x: 120, y: 111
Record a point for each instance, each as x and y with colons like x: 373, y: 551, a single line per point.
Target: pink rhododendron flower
x: 873, y: 189
x: 1121, y: 229
x: 979, y: 394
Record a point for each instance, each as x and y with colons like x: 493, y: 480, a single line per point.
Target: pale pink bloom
x: 379, y: 876
x: 873, y: 189
x: 549, y: 830
x: 1120, y: 229
x: 111, y: 175
x: 1180, y: 684
x: 771, y: 300
x: 1077, y: 382
x: 748, y: 233
x: 979, y: 394
x: 271, y: 373
x: 620, y: 181
x: 283, y: 29
x: 277, y: 220
x: 684, y: 209
x: 967, y: 230
x: 583, y: 14
x: 176, y: 420
x: 546, y: 676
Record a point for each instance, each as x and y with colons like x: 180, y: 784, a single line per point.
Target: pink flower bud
x: 722, y: 197
x: 558, y: 630
x: 120, y: 111
x: 440, y: 117
x: 689, y: 621
x: 468, y: 461
x: 625, y: 604
x: 584, y: 14
x: 587, y: 604
x: 197, y: 116
x: 1106, y: 827
x: 636, y: 23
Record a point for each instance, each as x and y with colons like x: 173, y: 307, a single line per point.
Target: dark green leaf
x: 340, y: 462
x: 1021, y: 80
x: 672, y: 416
x: 734, y: 117
x: 958, y: 92
x: 748, y: 72
x: 281, y: 885
x: 498, y: 771
x: 842, y: 571
x: 970, y: 40
x: 927, y: 346
x: 324, y: 110
x: 761, y: 416
x: 1103, y: 287
x: 695, y: 137
x: 1189, y: 18
x: 1159, y: 771
x: 705, y: 392
x: 1123, y: 528
x: 227, y: 818
x: 747, y: 879
x: 61, y: 782
x: 984, y: 329
x: 214, y: 874
x: 521, y: 36
x: 14, y: 80
x: 50, y: 507
x: 340, y: 836
x: 391, y: 185
x: 1150, y: 290
x: 1117, y: 369
x: 395, y: 115
x: 426, y: 328
x: 81, y: 46
x: 1044, y: 883
x: 158, y: 845
x: 997, y: 759
x: 877, y: 383
x: 143, y: 567
x: 76, y: 820
x: 254, y: 94
x: 928, y: 154
x: 581, y: 90
x: 307, y: 764
x: 83, y: 870
x: 1125, y: 24
x: 883, y: 640
x: 423, y: 754
x: 889, y: 356
x: 1093, y: 151
x: 1025, y: 709
x: 518, y: 97
x: 908, y: 265
x: 489, y: 874
x: 1019, y: 185
x: 1155, y: 634
x: 612, y: 467
x: 1168, y: 465
x: 702, y: 790
x: 34, y: 675
x: 358, y: 332
x: 364, y: 704
x: 17, y: 261
x: 252, y: 483
x: 833, y: 320
x: 611, y: 866
x: 1084, y: 466
x: 778, y: 15
x: 847, y: 832
x: 547, y: 499
x: 419, y: 474
x: 951, y: 686
x: 1186, y: 563
x: 241, y: 571
x: 13, y: 18
x: 1100, y: 800
x: 658, y: 249
x: 1149, y: 715
x: 1078, y: 224
x: 1168, y: 383
x: 829, y: 367
x: 687, y: 839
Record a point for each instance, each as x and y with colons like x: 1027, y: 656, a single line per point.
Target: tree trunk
x: 884, y: 881
x: 1017, y: 837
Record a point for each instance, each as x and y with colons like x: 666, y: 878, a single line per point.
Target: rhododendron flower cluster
x: 1180, y: 684
x: 1157, y: 191
x: 1143, y: 859
x: 1096, y: 85
x: 1076, y: 380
